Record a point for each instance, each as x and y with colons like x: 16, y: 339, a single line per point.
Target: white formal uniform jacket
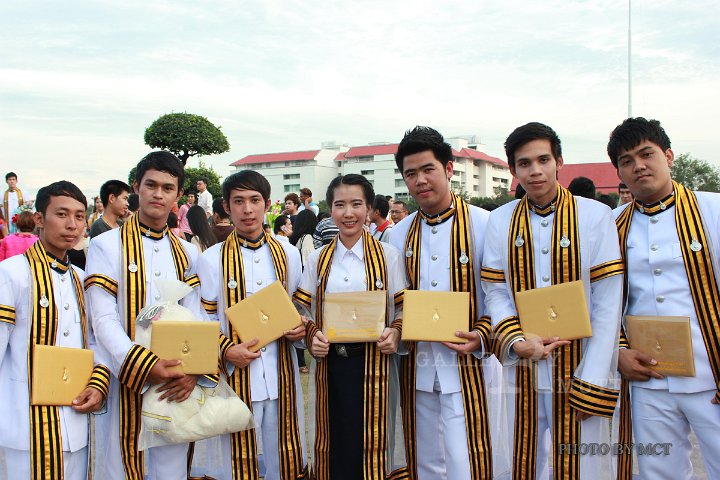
x: 16, y: 292
x: 598, y: 245
x: 212, y: 456
x: 434, y: 358
x: 598, y: 366
x: 108, y: 321
x: 658, y: 284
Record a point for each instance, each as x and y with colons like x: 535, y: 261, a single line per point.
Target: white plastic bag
x: 209, y: 411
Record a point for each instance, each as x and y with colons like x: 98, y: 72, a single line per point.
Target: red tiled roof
x: 391, y: 149
x: 603, y: 175
x: 370, y: 150
x: 340, y: 156
x: 277, y: 157
x: 471, y: 153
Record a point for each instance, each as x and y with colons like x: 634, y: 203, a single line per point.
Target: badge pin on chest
x: 44, y: 303
x: 564, y: 242
x: 379, y: 284
x: 232, y: 284
x: 695, y: 246
x: 519, y: 241
x: 133, y: 267
x: 409, y: 253
x: 464, y: 258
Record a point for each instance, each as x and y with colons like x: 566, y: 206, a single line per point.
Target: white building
x: 477, y: 173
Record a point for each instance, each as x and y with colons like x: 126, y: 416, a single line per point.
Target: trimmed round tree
x: 186, y: 135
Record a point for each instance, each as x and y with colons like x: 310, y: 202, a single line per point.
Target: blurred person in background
x: 283, y: 228
x: 18, y: 243
x: 182, y: 215
x: 203, y: 236
x: 302, y: 234
x: 114, y: 200
x: 221, y: 221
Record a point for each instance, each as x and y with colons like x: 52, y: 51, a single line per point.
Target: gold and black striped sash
x: 565, y: 268
x: 138, y: 362
x: 462, y: 279
x: 243, y: 444
x: 377, y: 365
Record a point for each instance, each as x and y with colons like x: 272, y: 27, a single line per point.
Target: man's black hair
x: 63, y: 188
x: 350, y: 179
x: 219, y: 209
x: 621, y: 185
x: 582, y: 187
x: 381, y: 204
x: 161, y: 161
x: 112, y: 187
x: 9, y: 175
x: 607, y: 200
x: 203, y: 179
x: 526, y: 134
x: 246, y: 180
x: 133, y: 202
x: 632, y: 132
x: 422, y: 139
x: 280, y: 221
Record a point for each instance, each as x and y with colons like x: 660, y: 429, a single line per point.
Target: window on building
x: 476, y: 188
x: 367, y: 172
x: 476, y: 177
x: 399, y: 182
x: 368, y: 158
x: 295, y: 187
x: 397, y: 171
x: 291, y: 176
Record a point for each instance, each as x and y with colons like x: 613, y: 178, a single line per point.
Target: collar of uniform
x: 543, y: 211
x: 657, y: 207
x: 356, y: 249
x: 252, y: 244
x: 440, y: 217
x: 60, y: 266
x: 152, y: 233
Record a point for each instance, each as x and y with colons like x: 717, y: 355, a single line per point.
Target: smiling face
x: 645, y: 169
x: 191, y: 199
x: 349, y: 210
x: 62, y: 224
x: 536, y: 169
x: 157, y: 193
x: 428, y: 181
x: 247, y: 209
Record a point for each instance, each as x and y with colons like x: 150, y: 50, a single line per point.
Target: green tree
x: 186, y: 135
x: 192, y: 175
x: 696, y: 174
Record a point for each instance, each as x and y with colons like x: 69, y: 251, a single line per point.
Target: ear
x: 39, y: 219
x: 180, y: 194
x: 136, y: 187
x: 226, y: 207
x: 670, y: 156
x: 268, y: 204
x: 449, y: 169
x: 559, y: 163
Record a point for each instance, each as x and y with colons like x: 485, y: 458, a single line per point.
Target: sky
x: 80, y: 81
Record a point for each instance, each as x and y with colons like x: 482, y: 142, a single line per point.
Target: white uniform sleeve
x: 7, y: 311
x: 499, y: 303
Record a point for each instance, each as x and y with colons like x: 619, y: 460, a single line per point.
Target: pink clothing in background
x: 16, y: 244
x: 182, y: 219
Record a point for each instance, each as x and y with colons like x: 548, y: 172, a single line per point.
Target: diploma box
x: 265, y: 315
x: 194, y: 343
x: 666, y: 339
x: 352, y: 317
x: 431, y: 316
x: 59, y: 374
x: 556, y: 311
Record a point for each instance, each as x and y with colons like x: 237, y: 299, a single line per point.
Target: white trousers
x: 659, y: 416
x: 442, y: 451
x: 17, y: 464
x: 266, y: 426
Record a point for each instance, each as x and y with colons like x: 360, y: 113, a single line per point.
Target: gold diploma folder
x: 59, y: 374
x: 430, y: 316
x: 556, y: 311
x: 194, y: 343
x: 667, y: 339
x: 265, y: 315
x: 350, y: 317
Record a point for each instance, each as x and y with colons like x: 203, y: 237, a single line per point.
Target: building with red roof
x: 475, y: 172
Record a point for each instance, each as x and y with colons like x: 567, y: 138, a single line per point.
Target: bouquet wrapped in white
x: 208, y: 412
